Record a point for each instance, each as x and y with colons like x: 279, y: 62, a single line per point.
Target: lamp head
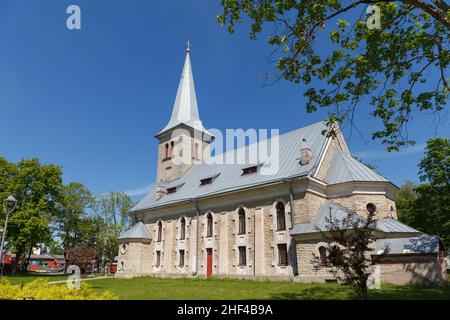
x: 9, y: 204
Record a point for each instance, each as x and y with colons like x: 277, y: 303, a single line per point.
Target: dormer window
x: 206, y: 181
x: 171, y: 190
x: 249, y: 170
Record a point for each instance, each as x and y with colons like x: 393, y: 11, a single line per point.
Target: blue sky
x: 91, y: 100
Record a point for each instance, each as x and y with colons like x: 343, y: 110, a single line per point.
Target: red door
x: 208, y: 262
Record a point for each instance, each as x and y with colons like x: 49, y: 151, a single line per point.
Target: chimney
x: 160, y: 192
x: 305, y: 153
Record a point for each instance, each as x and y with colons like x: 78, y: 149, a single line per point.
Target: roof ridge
x: 268, y: 139
x: 362, y: 164
x: 343, y: 156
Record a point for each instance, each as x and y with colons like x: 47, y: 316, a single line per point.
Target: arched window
x: 159, y: 231
x: 171, y: 148
x: 371, y: 208
x: 241, y: 215
x: 182, y: 228
x: 281, y: 220
x: 323, y: 255
x: 167, y: 151
x: 209, y: 225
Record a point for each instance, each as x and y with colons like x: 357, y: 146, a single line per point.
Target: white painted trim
x: 322, y: 157
x: 317, y: 193
x: 318, y: 181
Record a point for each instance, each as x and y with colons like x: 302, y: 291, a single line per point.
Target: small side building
x: 135, y: 249
x: 413, y: 260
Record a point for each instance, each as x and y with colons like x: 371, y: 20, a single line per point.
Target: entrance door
x: 208, y: 262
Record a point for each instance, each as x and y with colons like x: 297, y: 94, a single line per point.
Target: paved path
x: 82, y: 279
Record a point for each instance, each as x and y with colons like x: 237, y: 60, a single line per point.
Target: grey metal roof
x: 345, y: 168
x: 185, y: 109
x: 138, y: 232
x: 393, y: 225
x: 424, y: 244
x: 230, y: 175
x: 320, y: 222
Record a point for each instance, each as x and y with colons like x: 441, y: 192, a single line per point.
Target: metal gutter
x: 233, y: 190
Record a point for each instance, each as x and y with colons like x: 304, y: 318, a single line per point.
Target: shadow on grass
x: 193, y: 289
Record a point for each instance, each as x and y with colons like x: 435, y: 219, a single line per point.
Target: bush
x: 40, y: 289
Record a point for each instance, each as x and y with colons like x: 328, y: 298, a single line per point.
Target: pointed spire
x: 185, y: 108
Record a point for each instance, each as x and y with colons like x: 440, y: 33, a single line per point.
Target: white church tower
x: 183, y: 141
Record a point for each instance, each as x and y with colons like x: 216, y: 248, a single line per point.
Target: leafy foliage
x: 349, y: 248
x: 37, y: 187
x: 85, y: 226
x: 83, y: 256
x: 435, y: 166
x: 112, y: 208
x: 72, y: 223
x: 40, y: 289
x: 388, y: 66
x: 427, y: 207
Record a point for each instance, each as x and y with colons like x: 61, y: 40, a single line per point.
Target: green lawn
x: 193, y: 289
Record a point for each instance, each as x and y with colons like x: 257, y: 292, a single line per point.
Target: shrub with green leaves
x: 41, y: 289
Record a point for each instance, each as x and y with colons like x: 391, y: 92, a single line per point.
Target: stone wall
x: 308, y: 264
x: 413, y: 273
x: 134, y: 259
x: 357, y: 202
x: 184, y: 143
x: 261, y: 238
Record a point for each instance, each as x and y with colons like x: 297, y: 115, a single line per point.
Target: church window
x: 249, y: 170
x: 241, y: 216
x: 281, y: 219
x: 158, y: 258
x: 171, y: 148
x: 159, y: 231
x: 322, y: 256
x: 371, y: 208
x: 242, y: 256
x: 181, y: 264
x: 182, y: 229
x: 166, y: 151
x: 282, y: 255
x: 209, y: 225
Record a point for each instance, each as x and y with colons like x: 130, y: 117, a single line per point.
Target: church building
x: 230, y: 220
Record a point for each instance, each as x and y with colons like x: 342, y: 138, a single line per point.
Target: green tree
x: 435, y: 166
x: 72, y: 223
x: 405, y: 200
x: 387, y: 66
x: 112, y: 208
x: 431, y: 212
x: 427, y: 207
x: 349, y: 241
x: 37, y: 187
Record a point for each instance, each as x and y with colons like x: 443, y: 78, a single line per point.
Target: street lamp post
x: 9, y: 204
